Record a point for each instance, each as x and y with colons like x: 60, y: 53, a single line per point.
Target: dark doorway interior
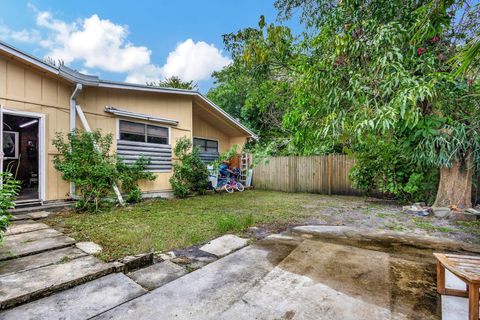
x: 20, y: 146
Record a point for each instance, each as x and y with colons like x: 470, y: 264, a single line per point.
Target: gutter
x: 73, y: 117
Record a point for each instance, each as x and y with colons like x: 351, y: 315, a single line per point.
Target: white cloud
x: 97, y: 42
x: 27, y: 36
x: 194, y: 61
x: 190, y: 61
x: 101, y: 45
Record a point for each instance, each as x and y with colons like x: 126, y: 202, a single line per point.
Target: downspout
x: 73, y: 118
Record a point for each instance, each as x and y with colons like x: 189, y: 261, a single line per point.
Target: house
x: 41, y: 99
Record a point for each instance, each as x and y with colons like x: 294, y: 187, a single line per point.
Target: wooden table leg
x: 473, y: 301
x: 440, y: 278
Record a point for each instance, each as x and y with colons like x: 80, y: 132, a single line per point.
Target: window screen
x: 209, y: 146
x: 133, y: 131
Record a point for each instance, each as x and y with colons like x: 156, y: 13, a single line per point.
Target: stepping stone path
x: 89, y: 247
x: 36, y: 261
x: 81, y: 302
x: 47, y: 275
x: 157, y: 275
x: 224, y: 245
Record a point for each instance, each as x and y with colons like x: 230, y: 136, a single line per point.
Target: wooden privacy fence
x: 316, y: 174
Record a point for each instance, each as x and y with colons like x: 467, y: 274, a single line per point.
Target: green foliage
x: 256, y: 87
x: 226, y: 156
x: 190, y: 174
x: 8, y: 191
x: 129, y: 175
x: 387, y: 168
x: 363, y: 72
x: 174, y: 82
x: 85, y: 159
x: 234, y: 222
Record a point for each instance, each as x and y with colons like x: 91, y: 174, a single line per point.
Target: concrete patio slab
x: 38, y: 214
x: 32, y: 235
x: 20, y: 287
x: 224, y: 245
x: 337, y: 282
x: 89, y: 247
x: 207, y: 292
x: 39, y: 260
x: 24, y: 226
x: 17, y: 247
x: 18, y: 217
x: 81, y: 302
x: 157, y: 275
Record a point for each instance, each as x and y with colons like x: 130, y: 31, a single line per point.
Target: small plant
x: 8, y: 191
x: 190, y: 174
x: 85, y: 159
x: 234, y: 222
x: 129, y: 175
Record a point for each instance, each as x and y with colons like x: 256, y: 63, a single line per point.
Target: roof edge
x: 94, y: 81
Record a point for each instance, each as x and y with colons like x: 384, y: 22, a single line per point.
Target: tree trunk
x: 455, y: 187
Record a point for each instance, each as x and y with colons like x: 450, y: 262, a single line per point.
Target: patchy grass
x: 428, y: 226
x: 160, y: 225
x: 472, y: 227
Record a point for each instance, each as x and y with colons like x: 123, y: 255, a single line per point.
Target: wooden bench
x: 467, y: 268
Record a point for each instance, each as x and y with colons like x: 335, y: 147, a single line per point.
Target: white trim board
x: 41, y: 147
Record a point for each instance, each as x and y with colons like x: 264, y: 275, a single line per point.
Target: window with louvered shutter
x: 140, y: 139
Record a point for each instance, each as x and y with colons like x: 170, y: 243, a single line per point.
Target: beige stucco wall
x: 94, y: 100
x: 25, y: 88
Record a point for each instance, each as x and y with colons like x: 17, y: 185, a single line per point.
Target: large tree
x: 379, y: 68
x: 366, y: 77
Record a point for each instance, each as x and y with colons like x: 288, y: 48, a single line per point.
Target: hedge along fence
x: 315, y: 174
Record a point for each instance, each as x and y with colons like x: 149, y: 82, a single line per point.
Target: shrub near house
x: 8, y: 192
x: 85, y: 160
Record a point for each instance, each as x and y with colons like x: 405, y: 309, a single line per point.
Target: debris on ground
x: 419, y: 209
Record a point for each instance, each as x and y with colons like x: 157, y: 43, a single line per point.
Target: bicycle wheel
x: 239, y: 187
x: 228, y: 188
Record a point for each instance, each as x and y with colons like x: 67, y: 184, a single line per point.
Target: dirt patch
x: 413, y: 290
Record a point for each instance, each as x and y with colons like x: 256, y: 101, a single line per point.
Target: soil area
x: 386, y: 215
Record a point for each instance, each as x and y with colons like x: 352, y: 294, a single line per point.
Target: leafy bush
x: 8, y: 192
x: 190, y: 174
x: 129, y: 175
x: 386, y: 167
x: 85, y: 159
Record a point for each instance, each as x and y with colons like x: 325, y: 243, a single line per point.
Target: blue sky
x: 134, y: 41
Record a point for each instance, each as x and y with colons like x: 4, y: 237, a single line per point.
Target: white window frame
x: 117, y: 133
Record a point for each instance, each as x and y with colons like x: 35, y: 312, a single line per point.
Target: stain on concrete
x: 401, y: 282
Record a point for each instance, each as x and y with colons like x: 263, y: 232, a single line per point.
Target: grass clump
x: 233, y: 222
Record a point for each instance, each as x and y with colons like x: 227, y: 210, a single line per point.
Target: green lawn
x: 160, y: 225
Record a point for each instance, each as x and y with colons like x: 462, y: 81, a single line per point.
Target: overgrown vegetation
x: 8, y: 191
x: 366, y: 76
x: 190, y: 174
x: 85, y: 158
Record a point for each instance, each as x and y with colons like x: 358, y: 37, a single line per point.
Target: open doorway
x: 21, y: 153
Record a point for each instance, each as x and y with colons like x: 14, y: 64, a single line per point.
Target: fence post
x: 330, y: 169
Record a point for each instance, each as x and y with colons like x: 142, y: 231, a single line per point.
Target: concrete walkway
x: 36, y: 261
x: 307, y: 274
